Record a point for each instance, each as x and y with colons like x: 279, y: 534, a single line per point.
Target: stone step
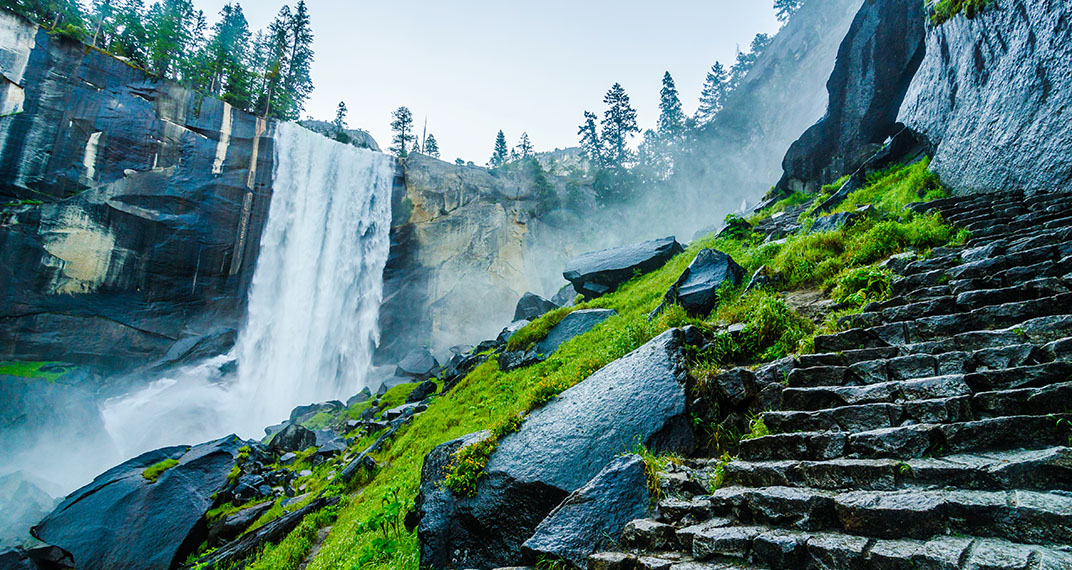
x: 912, y: 441
x: 867, y: 382
x: 1039, y: 470
x: 654, y: 561
x: 782, y: 549
x: 1027, y: 516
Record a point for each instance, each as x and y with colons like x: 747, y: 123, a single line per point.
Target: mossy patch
x: 153, y: 472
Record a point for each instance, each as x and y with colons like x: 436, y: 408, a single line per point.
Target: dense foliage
x: 265, y: 73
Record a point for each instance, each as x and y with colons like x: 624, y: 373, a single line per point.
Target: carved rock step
x: 969, y: 331
x: 822, y: 397
x: 780, y: 549
x: 1040, y: 470
x: 655, y: 561
x: 1025, y: 516
x: 914, y: 441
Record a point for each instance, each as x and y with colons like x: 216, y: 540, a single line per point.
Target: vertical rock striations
x: 992, y: 98
x: 134, y: 210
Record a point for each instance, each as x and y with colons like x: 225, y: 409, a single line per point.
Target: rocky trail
x: 936, y: 432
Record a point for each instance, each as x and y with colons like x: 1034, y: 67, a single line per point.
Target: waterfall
x: 315, y: 299
x: 313, y: 306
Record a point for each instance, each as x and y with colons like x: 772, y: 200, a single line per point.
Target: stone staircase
x: 934, y: 433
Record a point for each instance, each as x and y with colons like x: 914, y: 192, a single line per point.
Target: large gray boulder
x: 123, y: 520
x: 419, y: 364
x: 592, y: 517
x: 531, y: 307
x: 639, y: 398
x: 875, y: 64
x: 697, y: 288
x: 599, y: 272
x: 992, y: 97
x: 573, y: 325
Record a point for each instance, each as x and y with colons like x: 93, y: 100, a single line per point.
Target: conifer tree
x: 713, y: 95
x: 297, y: 81
x: 671, y: 117
x: 340, y: 117
x: 402, y: 125
x: 786, y: 9
x: 619, y: 125
x: 524, y: 146
x: 591, y: 146
x: 431, y: 147
x: 500, y: 154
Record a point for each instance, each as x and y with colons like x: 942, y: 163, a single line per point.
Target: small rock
x: 363, y: 396
x: 531, y: 307
x: 292, y: 438
x: 419, y: 363
x: 697, y: 288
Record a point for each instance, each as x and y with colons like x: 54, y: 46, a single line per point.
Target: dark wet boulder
x: 600, y: 272
x: 124, y: 520
x: 697, y: 288
x: 422, y: 392
x: 517, y: 359
x: 558, y: 449
x: 531, y: 307
x: 363, y: 396
x: 391, y: 382
x: 292, y: 438
x: 303, y: 414
x: 573, y: 325
x: 419, y: 364
x: 566, y: 296
x: 509, y: 332
x: 592, y: 517
x: 229, y: 527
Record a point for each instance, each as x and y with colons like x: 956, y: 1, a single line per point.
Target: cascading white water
x: 313, y: 305
x: 315, y: 299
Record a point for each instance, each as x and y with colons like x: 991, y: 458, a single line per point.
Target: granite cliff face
x: 135, y: 207
x: 875, y: 64
x: 993, y: 98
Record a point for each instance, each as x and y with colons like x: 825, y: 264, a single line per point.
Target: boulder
x: 573, y: 325
x: 391, y: 382
x: 419, y: 364
x: 422, y: 392
x: 841, y: 219
x: 23, y: 504
x: 566, y: 296
x: 508, y: 332
x: 122, y: 520
x: 302, y: 414
x: 697, y: 288
x: 594, y: 274
x: 639, y: 398
x: 991, y: 98
x: 875, y: 64
x: 593, y: 517
x: 531, y: 307
x: 292, y: 438
x: 517, y: 359
x: 363, y: 396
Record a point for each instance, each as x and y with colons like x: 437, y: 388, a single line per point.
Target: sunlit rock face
x: 134, y: 211
x: 992, y: 98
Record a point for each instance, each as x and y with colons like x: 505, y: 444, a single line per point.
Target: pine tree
x: 459, y: 162
x: 297, y: 80
x: 746, y: 60
x: 272, y: 52
x: 591, y: 146
x: 713, y: 95
x: 170, y: 28
x: 786, y: 9
x: 619, y: 125
x: 524, y: 147
x: 671, y: 117
x: 500, y: 153
x: 417, y: 146
x: 226, y: 58
x: 340, y: 117
x: 402, y: 125
x: 431, y: 148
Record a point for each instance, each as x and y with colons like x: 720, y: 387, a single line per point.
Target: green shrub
x: 861, y: 285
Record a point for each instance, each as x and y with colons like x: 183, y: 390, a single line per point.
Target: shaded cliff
x: 993, y: 98
x: 135, y: 207
x: 875, y: 64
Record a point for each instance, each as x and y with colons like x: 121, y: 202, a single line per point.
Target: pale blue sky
x: 473, y: 67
